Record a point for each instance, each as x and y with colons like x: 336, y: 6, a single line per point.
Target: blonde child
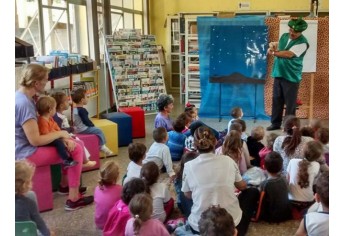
x: 46, y: 108
x: 301, y: 175
x: 62, y: 104
x: 107, y: 192
x: 82, y: 123
x: 26, y: 208
x: 141, y: 223
x: 163, y: 203
x: 254, y: 144
x: 159, y: 152
x: 136, y: 153
x: 269, y: 148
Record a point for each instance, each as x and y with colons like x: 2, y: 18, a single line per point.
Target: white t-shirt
x: 160, y: 154
x: 317, y: 223
x: 297, y: 193
x: 133, y: 170
x: 160, y: 195
x: 211, y: 179
x: 297, y: 49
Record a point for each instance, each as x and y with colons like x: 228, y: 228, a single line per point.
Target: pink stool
x: 91, y: 142
x: 138, y: 120
x: 42, y: 186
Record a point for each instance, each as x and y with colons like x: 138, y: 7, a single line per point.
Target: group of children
x: 143, y: 204
x: 51, y: 118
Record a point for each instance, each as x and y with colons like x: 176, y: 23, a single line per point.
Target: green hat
x: 298, y: 25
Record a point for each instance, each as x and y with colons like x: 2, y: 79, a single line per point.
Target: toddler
x: 235, y: 113
x: 183, y: 203
x: 82, y: 122
x: 159, y: 152
x: 269, y: 148
x: 136, y: 153
x: 141, y: 223
x: 301, y: 175
x: 46, y: 108
x: 307, y: 131
x: 62, y: 104
x: 176, y: 142
x: 26, y: 208
x: 119, y: 213
x: 317, y: 223
x: 322, y: 135
x: 192, y: 110
x: 163, y: 203
x: 107, y: 193
x: 275, y: 206
x: 254, y: 144
x: 216, y: 221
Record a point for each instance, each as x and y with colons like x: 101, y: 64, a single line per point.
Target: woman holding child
x: 30, y: 145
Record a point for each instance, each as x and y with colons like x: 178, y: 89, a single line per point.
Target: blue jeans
x: 96, y: 131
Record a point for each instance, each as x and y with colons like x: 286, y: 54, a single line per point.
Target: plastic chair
x: 26, y: 228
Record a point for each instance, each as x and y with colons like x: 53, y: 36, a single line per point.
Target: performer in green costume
x: 287, y: 70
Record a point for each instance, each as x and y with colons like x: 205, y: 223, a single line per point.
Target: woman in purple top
x: 165, y: 104
x: 30, y: 145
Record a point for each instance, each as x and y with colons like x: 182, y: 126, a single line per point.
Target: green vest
x: 289, y: 68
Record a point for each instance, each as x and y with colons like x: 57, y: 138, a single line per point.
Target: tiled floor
x: 81, y: 222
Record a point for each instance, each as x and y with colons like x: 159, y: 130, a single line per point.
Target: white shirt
x: 297, y: 193
x: 297, y: 49
x: 133, y: 171
x: 317, y: 223
x: 211, y: 179
x: 160, y: 154
x: 160, y: 195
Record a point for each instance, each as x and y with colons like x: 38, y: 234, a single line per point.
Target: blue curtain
x: 232, y: 48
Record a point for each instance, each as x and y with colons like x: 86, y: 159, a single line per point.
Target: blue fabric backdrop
x: 227, y: 46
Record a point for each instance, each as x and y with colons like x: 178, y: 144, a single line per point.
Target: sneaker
x: 65, y: 190
x: 106, y: 150
x: 69, y: 163
x: 272, y: 127
x: 83, y: 201
x: 89, y: 164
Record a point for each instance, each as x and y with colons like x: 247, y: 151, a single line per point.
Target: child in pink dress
x: 107, y: 192
x: 119, y: 214
x: 269, y: 148
x: 141, y: 222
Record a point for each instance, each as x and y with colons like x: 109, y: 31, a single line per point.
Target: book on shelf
x: 135, y: 65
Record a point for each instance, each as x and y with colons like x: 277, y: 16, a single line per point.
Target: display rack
x: 135, y: 69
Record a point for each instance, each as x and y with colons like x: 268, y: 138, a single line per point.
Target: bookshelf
x: 135, y: 69
x: 173, y: 54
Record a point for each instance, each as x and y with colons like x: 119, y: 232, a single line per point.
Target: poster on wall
x: 309, y: 61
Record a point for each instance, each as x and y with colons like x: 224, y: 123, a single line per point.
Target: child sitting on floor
x: 82, y: 123
x: 136, y: 153
x: 141, y: 222
x: 317, y: 223
x: 269, y: 148
x: 301, y: 175
x: 176, y: 141
x: 216, y: 221
x: 62, y: 104
x: 107, y: 192
x: 184, y: 204
x: 322, y: 135
x: 159, y: 152
x: 46, y: 108
x: 254, y: 144
x: 235, y: 113
x: 119, y: 213
x: 163, y: 203
x: 275, y: 205
x: 26, y: 208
